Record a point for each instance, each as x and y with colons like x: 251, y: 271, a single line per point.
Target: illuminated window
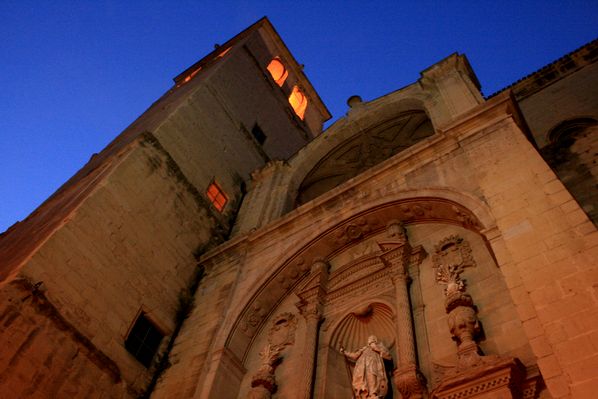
x: 298, y: 101
x: 278, y: 71
x: 217, y: 196
x: 143, y: 340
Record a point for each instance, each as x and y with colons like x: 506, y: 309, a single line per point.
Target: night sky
x: 74, y: 74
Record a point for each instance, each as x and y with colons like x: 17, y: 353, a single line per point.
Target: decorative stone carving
x: 453, y: 252
x: 452, y: 256
x: 312, y: 294
x: 418, y: 210
x: 362, y: 321
x: 439, y: 211
x: 352, y: 231
x: 282, y: 332
x: 369, y: 375
x: 395, y: 230
x: 259, y: 392
x: 502, y: 375
x: 408, y: 379
x: 410, y: 382
x: 281, y: 335
x: 466, y: 218
x: 253, y: 318
x: 501, y: 378
x: 264, y: 378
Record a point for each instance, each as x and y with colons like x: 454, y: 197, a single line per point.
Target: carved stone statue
x: 369, y: 375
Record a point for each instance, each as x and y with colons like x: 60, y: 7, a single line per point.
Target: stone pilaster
x: 311, y: 307
x: 407, y: 377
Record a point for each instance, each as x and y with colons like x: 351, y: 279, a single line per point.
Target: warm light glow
x: 278, y: 71
x: 222, y: 54
x: 298, y: 101
x: 191, y: 75
x: 217, y: 196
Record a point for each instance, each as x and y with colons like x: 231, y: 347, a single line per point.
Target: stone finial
x: 353, y: 101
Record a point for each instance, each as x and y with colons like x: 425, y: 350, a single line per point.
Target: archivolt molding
x: 335, y: 238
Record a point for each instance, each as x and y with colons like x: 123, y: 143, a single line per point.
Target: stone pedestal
x: 501, y: 378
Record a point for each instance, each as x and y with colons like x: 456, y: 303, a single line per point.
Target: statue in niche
x: 369, y: 376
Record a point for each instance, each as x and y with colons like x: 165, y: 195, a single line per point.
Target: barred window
x: 143, y: 340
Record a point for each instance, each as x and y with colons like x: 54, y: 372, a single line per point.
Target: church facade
x: 432, y: 243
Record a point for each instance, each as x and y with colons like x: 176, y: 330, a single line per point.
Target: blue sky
x: 74, y: 74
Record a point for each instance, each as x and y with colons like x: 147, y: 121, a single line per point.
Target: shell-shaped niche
x: 355, y: 328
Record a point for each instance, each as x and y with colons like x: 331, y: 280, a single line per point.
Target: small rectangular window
x: 217, y: 196
x: 143, y: 340
x: 258, y: 133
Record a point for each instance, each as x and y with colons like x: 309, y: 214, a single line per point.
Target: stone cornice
x: 553, y: 72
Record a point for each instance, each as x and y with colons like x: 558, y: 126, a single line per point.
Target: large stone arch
x: 410, y: 207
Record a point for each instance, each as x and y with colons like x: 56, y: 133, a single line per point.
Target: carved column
x: 311, y: 306
x: 407, y: 377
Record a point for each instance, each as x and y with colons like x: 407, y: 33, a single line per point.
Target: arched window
x: 358, y: 152
x: 278, y: 71
x: 298, y: 101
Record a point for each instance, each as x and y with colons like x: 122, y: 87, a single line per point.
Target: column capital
x: 395, y: 229
x: 312, y: 310
x: 400, y: 277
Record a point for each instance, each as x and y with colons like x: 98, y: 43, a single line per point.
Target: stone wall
x: 129, y: 248
x: 45, y: 355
